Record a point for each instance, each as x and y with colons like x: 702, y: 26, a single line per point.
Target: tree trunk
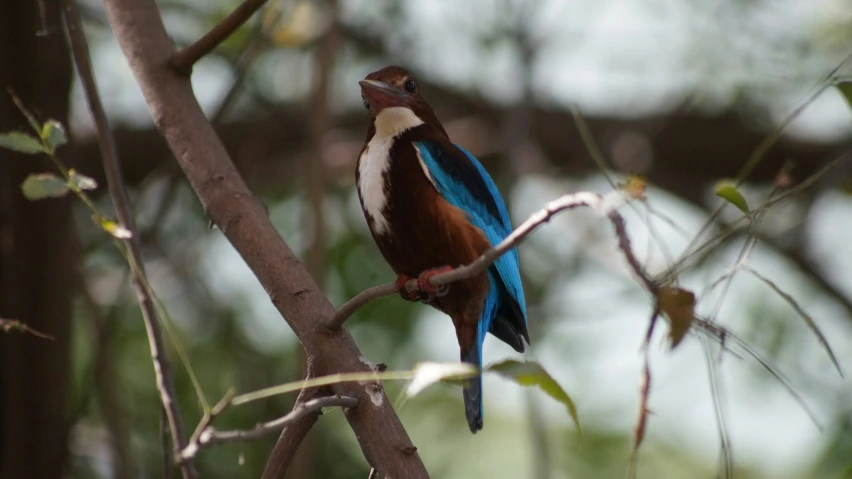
x: 38, y: 251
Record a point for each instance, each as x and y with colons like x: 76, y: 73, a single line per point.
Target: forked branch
x: 183, y: 60
x: 208, y: 436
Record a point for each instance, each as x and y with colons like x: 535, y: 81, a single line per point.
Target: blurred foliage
x: 236, y: 339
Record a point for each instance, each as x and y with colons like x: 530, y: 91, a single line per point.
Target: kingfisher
x: 431, y: 207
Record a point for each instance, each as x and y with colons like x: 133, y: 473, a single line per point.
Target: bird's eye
x: 366, y: 103
x: 410, y: 86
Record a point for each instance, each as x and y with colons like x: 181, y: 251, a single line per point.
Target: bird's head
x: 392, y: 96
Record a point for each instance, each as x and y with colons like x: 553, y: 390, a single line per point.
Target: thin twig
x: 809, y: 321
x: 695, y: 253
x: 211, y: 415
x: 642, y: 422
x: 606, y: 205
x: 758, y: 154
x: 748, y: 246
x: 810, y: 270
x: 211, y: 437
x: 644, y: 392
x: 727, y: 339
x: 7, y: 325
x: 725, y: 450
x: 118, y: 192
x: 167, y: 453
x: 184, y: 59
x: 361, y: 299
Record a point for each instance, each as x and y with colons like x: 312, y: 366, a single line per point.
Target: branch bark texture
x: 292, y: 436
x: 232, y: 207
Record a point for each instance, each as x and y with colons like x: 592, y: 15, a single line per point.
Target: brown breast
x: 427, y: 232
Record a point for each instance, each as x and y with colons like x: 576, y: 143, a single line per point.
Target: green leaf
x: 115, y: 229
x: 530, y: 373
x: 44, y: 185
x: 81, y: 181
x: 845, y: 89
x: 727, y: 190
x: 427, y: 374
x: 21, y: 142
x: 53, y: 135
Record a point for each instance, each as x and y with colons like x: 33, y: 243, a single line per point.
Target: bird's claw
x: 426, y: 292
x: 406, y: 294
x: 426, y: 288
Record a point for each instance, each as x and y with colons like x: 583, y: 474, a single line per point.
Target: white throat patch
x: 375, y: 162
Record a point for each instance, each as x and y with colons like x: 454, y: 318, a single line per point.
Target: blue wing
x: 464, y: 183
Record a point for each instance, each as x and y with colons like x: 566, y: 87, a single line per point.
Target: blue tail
x: 473, y: 390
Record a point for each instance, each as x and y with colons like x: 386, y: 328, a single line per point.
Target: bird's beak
x: 382, y: 95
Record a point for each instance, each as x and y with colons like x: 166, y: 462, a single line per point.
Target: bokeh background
x: 682, y: 93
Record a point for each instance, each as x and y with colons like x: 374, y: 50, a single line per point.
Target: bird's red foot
x: 426, y: 292
x: 406, y: 295
x: 427, y: 288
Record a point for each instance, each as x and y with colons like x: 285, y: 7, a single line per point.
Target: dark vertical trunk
x: 38, y: 251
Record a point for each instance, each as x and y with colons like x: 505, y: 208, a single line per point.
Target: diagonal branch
x: 118, y: 192
x: 808, y: 267
x: 229, y: 203
x: 605, y: 205
x: 183, y: 60
x: 292, y: 435
x: 7, y: 325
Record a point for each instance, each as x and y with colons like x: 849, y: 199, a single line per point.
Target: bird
x: 431, y: 207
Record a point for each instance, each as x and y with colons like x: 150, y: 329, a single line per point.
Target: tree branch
x: 293, y: 434
x: 118, y: 192
x: 7, y: 325
x: 242, y: 219
x: 184, y: 59
x: 208, y: 436
x: 807, y: 266
x: 605, y: 205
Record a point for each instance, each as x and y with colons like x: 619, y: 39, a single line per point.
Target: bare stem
x: 211, y: 437
x: 7, y: 325
x: 183, y: 60
x: 293, y: 434
x: 118, y: 192
x: 606, y: 205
